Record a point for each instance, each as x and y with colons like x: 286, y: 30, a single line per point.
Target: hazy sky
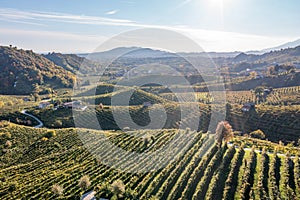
x: 80, y: 26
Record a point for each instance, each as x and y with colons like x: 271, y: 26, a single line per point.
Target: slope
x: 72, y: 62
x: 20, y: 69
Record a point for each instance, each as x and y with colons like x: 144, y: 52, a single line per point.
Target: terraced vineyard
x: 273, y: 120
x: 277, y: 122
x: 279, y: 96
x: 35, y: 161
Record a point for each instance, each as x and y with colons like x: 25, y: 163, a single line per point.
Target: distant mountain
x: 251, y: 61
x: 292, y: 44
x: 148, y: 53
x: 211, y: 54
x: 110, y: 53
x: 21, y: 69
x: 279, y: 56
x: 128, y: 52
x: 72, y: 62
x: 139, y: 52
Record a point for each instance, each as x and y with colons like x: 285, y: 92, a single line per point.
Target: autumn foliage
x: 223, y: 132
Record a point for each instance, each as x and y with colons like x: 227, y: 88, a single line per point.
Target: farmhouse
x: 77, y: 105
x: 44, y: 104
x: 247, y: 107
x: 26, y: 99
x: 147, y: 104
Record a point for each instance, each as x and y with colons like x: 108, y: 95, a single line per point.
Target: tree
x: 57, y: 190
x: 259, y: 93
x: 36, y: 91
x: 223, y: 132
x: 118, y: 188
x: 12, y: 187
x: 58, y: 123
x: 259, y: 134
x: 36, y: 88
x: 84, y: 182
x: 50, y: 134
x: 36, y: 97
x: 104, y: 189
x: 146, y: 141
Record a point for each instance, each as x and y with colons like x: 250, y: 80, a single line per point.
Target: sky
x: 80, y: 26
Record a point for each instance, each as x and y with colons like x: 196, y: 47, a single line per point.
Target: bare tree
x: 84, y: 182
x: 118, y: 188
x: 57, y: 190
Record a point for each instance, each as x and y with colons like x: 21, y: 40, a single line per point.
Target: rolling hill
x: 21, y: 69
x: 72, y: 62
x: 278, y: 56
x: 128, y: 52
x: 136, y: 97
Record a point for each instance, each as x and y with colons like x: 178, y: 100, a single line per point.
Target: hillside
x: 278, y: 56
x: 279, y: 123
x: 292, y: 44
x: 136, y: 97
x: 72, y: 62
x: 99, y: 90
x: 20, y: 69
x: 284, y: 80
x: 36, y: 160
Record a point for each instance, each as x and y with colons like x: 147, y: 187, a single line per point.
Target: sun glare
x: 217, y: 2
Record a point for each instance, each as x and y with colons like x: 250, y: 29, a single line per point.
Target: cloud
x: 183, y: 3
x: 33, y: 16
x: 210, y: 40
x: 22, y: 22
x: 112, y: 12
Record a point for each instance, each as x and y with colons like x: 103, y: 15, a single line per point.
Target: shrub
x: 57, y: 145
x: 9, y: 103
x: 57, y: 190
x: 50, y: 134
x: 84, y: 182
x: 3, y: 124
x: 259, y: 134
x: 146, y: 141
x: 118, y: 188
x: 104, y: 190
x: 44, y: 139
x: 6, y: 135
x: 12, y: 187
x: 58, y: 123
